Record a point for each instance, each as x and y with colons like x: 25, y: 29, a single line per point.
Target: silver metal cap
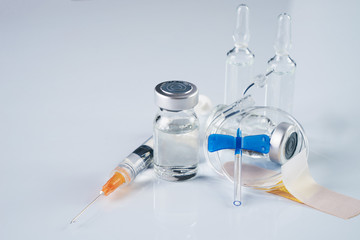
x: 283, y: 143
x: 176, y: 95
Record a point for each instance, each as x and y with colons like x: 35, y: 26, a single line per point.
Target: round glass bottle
x: 176, y: 131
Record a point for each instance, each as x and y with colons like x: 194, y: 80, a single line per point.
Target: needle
x: 77, y: 216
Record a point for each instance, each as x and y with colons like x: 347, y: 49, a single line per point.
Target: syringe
x: 126, y: 171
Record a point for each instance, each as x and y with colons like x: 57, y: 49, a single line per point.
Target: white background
x: 76, y: 96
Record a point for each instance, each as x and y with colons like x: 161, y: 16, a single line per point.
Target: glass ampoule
x: 240, y: 59
x: 281, y: 82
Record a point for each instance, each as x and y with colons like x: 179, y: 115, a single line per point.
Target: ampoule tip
x: 283, y: 38
x: 242, y: 34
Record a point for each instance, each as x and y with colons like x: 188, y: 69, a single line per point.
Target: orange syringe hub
x: 118, y: 179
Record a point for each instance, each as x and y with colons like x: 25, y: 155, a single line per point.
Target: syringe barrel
x: 139, y: 159
x: 130, y: 167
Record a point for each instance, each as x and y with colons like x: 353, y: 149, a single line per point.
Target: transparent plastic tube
x: 237, y: 179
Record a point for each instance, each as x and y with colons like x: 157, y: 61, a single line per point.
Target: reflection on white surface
x: 175, y: 209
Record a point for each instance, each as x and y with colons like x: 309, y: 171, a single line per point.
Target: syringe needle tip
x: 77, y: 216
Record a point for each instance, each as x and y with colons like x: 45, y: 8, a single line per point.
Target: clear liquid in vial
x: 177, y: 156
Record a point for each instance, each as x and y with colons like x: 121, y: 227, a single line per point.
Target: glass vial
x: 281, y: 80
x: 176, y: 131
x: 239, y: 60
